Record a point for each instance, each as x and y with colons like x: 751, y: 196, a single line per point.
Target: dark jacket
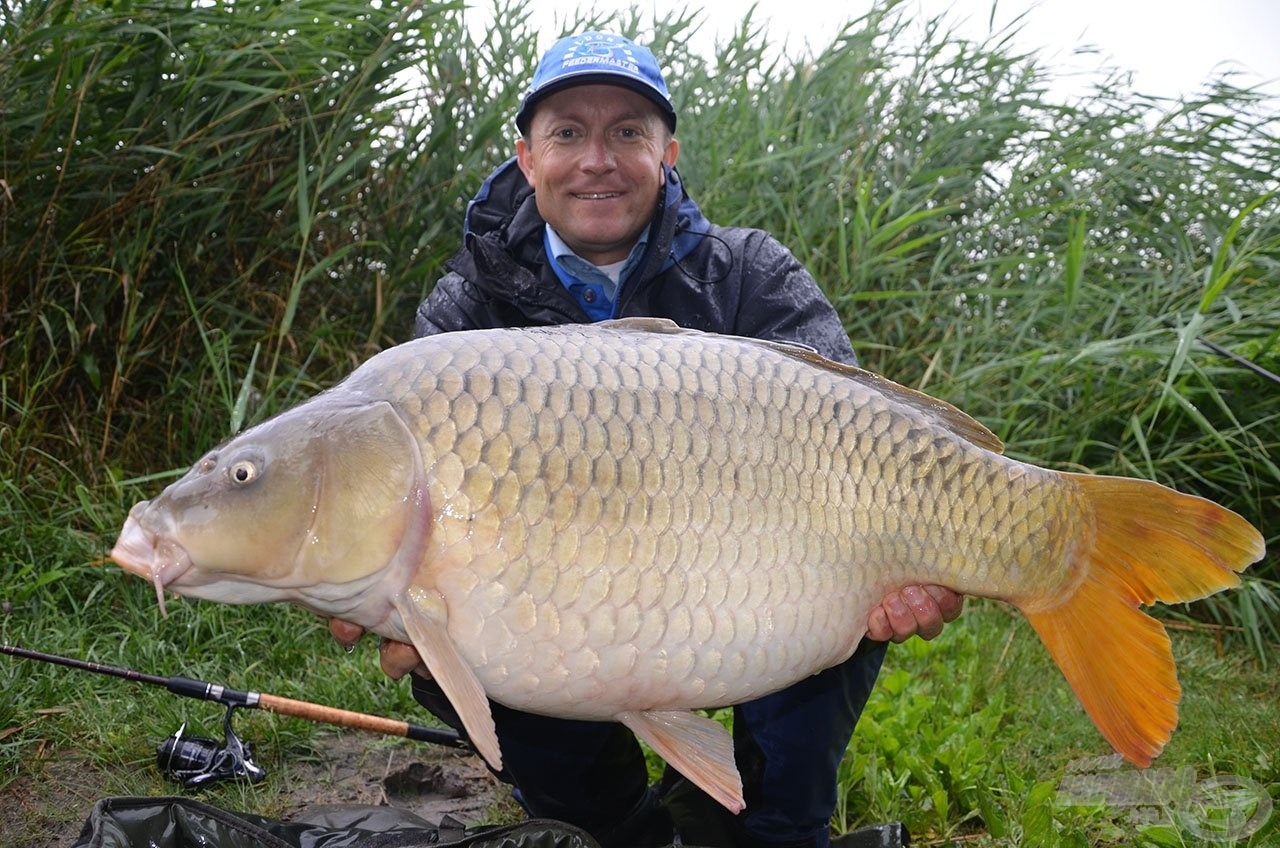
x: 731, y: 280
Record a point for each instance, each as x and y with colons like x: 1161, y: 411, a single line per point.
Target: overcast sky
x: 1171, y: 46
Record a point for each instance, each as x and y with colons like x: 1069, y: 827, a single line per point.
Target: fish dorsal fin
x: 696, y: 746
x: 425, y: 621
x: 938, y: 412
x: 645, y: 325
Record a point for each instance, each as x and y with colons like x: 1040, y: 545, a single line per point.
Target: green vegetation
x: 210, y: 212
x: 974, y: 738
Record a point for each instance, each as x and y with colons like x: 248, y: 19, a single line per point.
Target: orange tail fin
x: 1150, y: 544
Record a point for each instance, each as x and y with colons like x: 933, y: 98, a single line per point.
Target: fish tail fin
x: 1150, y: 543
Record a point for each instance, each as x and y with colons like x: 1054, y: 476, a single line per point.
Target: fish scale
x: 608, y: 500
x: 630, y: 521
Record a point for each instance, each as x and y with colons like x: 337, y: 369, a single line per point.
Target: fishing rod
x: 1239, y: 360
x: 194, y: 761
x: 1232, y: 355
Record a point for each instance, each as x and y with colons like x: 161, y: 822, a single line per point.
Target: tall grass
x: 208, y: 212
x: 170, y: 166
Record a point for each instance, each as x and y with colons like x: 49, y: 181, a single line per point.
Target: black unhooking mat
x: 174, y: 822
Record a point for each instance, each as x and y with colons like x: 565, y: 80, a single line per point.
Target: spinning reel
x: 195, y: 761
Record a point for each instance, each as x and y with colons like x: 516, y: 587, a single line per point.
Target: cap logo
x: 601, y: 50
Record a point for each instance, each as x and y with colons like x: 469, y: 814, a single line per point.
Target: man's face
x: 593, y: 156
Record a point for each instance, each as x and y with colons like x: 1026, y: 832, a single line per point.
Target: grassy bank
x: 206, y: 221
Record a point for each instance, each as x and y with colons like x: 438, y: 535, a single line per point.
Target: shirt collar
x: 589, y: 271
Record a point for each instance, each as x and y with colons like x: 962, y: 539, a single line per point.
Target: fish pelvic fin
x: 696, y: 746
x: 1150, y: 543
x: 425, y: 621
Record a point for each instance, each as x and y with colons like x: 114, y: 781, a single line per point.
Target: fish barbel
x: 629, y: 521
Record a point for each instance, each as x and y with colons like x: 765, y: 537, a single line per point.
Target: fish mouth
x: 149, y: 555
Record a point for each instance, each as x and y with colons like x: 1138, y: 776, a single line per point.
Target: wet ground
x: 47, y: 810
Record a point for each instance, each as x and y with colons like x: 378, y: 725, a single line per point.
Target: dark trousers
x: 787, y: 746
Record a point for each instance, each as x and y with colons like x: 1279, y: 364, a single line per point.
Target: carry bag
x: 175, y: 822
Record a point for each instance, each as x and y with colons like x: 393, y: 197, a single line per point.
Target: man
x: 591, y: 221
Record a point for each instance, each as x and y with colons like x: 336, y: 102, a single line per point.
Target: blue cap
x: 599, y: 58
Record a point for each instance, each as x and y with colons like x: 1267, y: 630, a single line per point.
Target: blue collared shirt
x: 594, y: 287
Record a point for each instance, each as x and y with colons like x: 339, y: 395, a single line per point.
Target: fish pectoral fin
x: 425, y: 623
x: 696, y: 746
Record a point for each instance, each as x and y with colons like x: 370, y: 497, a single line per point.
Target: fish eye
x: 243, y: 472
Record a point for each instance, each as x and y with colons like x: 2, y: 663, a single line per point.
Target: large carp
x: 630, y: 521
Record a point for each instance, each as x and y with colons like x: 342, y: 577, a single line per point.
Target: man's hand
x: 397, y: 658
x: 913, y: 611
